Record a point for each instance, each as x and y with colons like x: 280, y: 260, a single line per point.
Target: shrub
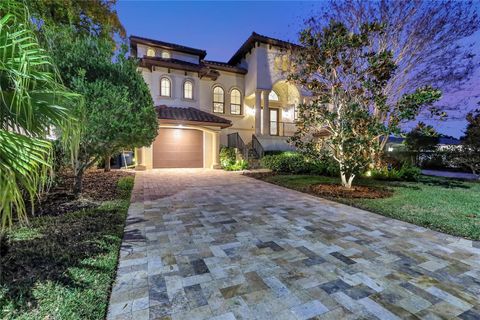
x: 125, y: 186
x: 287, y: 162
x: 410, y: 173
x: 326, y: 166
x: 227, y: 157
x: 294, y: 162
x: 405, y: 173
x: 237, y: 166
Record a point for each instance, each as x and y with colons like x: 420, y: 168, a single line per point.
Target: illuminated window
x: 272, y: 96
x: 235, y: 102
x: 165, y: 55
x: 165, y: 87
x: 218, y: 100
x: 285, y: 63
x: 150, y: 52
x: 188, y: 90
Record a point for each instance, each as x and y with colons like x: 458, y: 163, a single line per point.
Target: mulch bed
x: 337, y: 191
x: 98, y: 186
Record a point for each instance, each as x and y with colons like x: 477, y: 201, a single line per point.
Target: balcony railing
x: 257, y: 147
x: 282, y: 129
x: 235, y: 141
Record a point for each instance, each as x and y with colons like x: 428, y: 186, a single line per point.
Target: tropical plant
x: 347, y: 80
x: 32, y: 102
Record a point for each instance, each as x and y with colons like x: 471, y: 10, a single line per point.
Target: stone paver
x: 208, y: 244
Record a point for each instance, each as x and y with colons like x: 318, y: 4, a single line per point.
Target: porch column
x: 258, y: 110
x: 266, y: 113
x: 216, y: 150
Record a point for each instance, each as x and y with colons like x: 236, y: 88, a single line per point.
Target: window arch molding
x: 218, y: 98
x: 235, y: 101
x: 188, y: 89
x: 166, y: 86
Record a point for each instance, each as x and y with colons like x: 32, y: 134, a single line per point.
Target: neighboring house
x: 245, y: 102
x: 444, y: 144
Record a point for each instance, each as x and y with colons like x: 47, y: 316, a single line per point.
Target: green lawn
x: 62, y: 267
x: 446, y: 205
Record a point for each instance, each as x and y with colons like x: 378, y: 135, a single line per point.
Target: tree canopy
x: 429, y: 42
x: 469, y: 154
x: 118, y: 111
x: 346, y: 79
x: 93, y: 17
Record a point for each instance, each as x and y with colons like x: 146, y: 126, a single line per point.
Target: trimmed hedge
x: 296, y: 163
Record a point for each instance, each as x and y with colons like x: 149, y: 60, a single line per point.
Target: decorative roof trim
x: 252, y: 40
x: 167, y: 45
x: 224, y: 66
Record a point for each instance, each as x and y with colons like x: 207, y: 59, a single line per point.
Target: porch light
x: 390, y: 149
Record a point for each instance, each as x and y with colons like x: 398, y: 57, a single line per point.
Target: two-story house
x: 201, y: 104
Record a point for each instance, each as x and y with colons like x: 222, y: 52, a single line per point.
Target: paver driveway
x: 203, y: 244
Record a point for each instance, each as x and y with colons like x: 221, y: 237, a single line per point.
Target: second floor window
x: 188, y: 90
x: 165, y: 87
x: 166, y: 55
x: 235, y: 102
x: 150, y: 52
x: 218, y: 100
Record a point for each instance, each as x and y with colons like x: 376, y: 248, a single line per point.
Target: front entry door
x: 274, y: 122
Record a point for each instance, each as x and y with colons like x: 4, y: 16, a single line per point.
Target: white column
x: 266, y: 114
x: 258, y: 112
x: 216, y: 150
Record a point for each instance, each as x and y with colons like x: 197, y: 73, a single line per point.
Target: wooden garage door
x: 178, y: 148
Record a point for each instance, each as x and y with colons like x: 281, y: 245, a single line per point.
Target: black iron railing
x: 235, y: 141
x: 257, y: 147
x: 282, y: 129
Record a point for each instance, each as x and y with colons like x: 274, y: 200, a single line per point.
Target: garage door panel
x: 178, y: 148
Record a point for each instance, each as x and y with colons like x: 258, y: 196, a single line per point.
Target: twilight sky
x: 220, y: 28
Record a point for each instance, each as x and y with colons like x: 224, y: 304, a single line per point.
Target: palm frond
x: 32, y: 100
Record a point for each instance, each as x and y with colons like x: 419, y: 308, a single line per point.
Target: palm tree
x: 32, y: 100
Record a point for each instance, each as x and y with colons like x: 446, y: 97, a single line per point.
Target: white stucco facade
x: 259, y: 67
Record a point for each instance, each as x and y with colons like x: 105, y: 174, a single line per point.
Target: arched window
x: 188, y: 90
x: 272, y: 96
x: 165, y: 87
x: 235, y: 102
x: 150, y: 52
x: 165, y: 55
x: 218, y: 100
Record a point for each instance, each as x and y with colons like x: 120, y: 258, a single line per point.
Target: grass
x: 62, y: 267
x: 442, y: 204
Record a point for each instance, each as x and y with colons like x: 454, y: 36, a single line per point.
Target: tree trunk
x: 346, y: 182
x: 107, y: 163
x: 78, y: 182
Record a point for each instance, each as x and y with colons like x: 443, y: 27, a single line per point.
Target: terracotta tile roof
x: 167, y: 45
x: 190, y: 114
x: 250, y: 43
